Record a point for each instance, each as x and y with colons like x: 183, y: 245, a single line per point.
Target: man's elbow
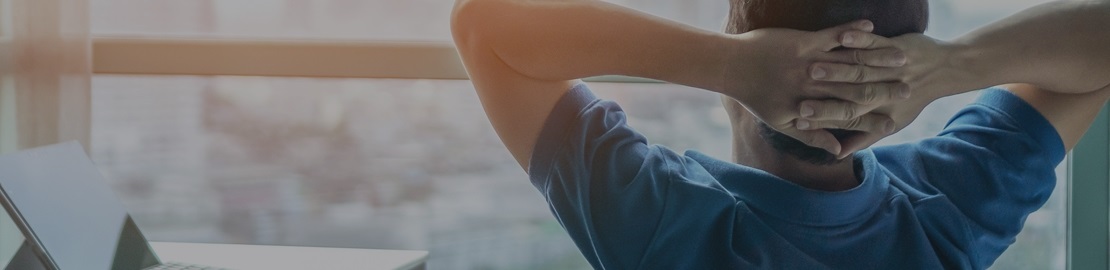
x: 468, y: 20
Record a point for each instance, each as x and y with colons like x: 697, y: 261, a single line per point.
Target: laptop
x: 69, y: 215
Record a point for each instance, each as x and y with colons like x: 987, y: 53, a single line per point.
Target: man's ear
x: 733, y: 107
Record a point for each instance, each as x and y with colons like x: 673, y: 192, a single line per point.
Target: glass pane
x: 334, y: 19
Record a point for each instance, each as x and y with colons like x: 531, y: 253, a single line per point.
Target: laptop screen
x: 70, y: 210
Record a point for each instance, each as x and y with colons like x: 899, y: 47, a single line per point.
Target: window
x: 371, y: 163
x: 393, y: 163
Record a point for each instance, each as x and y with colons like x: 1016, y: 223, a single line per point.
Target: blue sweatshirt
x: 954, y: 201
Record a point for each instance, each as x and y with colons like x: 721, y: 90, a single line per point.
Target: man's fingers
x: 866, y: 94
x: 870, y: 123
x: 864, y: 40
x: 832, y: 72
x: 884, y: 57
x: 831, y: 38
x: 832, y: 110
x: 816, y: 138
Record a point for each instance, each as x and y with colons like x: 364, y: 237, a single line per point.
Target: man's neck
x: 751, y: 150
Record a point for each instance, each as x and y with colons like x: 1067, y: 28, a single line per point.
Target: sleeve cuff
x: 553, y: 135
x: 1026, y: 118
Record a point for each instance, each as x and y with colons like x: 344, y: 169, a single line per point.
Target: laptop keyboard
x: 182, y: 266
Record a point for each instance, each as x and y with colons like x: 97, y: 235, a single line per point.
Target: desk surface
x: 249, y: 257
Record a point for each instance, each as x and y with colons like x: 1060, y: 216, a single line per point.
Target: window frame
x: 1089, y: 198
x: 44, y: 83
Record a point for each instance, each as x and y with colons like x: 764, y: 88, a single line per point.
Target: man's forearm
x: 1062, y: 47
x: 564, y: 40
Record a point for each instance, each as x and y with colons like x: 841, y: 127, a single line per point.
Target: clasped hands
x: 804, y: 83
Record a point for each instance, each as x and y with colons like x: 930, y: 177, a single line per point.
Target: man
x: 797, y: 194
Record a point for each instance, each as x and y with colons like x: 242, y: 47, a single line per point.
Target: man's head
x: 890, y: 17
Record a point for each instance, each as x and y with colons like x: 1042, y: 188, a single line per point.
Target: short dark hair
x: 891, y: 17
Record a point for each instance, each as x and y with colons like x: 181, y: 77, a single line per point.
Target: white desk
x: 250, y: 257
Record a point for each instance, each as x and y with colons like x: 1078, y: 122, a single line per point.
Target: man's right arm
x: 1055, y: 56
x: 995, y: 160
x: 1059, y: 52
x: 1063, y: 46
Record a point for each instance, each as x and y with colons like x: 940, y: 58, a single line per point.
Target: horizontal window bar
x: 292, y: 58
x: 285, y: 58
